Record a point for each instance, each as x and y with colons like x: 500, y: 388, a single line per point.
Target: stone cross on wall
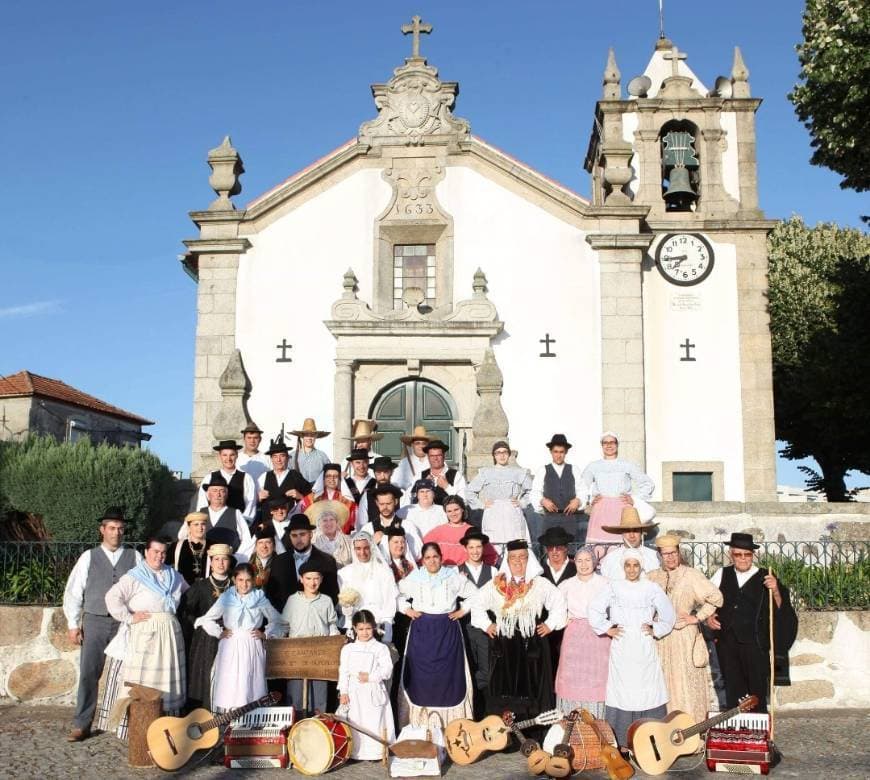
x: 416, y: 27
x: 675, y: 55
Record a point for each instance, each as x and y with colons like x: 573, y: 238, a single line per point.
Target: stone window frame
x: 714, y: 467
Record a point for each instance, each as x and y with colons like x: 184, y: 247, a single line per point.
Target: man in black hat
x: 387, y: 501
x: 89, y: 622
x: 282, y: 481
x: 742, y: 623
x: 284, y: 579
x: 241, y: 488
x: 557, y: 569
x: 556, y: 489
x: 264, y: 554
x: 383, y: 469
x: 250, y: 459
x: 360, y: 478
x: 222, y: 516
x: 448, y: 482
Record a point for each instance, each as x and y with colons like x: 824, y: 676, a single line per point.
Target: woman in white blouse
x: 435, y: 673
x: 236, y: 619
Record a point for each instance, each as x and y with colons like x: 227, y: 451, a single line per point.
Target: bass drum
x: 317, y: 745
x: 587, y: 748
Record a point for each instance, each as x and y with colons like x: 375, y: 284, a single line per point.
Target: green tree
x: 820, y: 312
x: 833, y: 100
x: 68, y: 486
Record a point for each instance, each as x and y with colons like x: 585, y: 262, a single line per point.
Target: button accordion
x: 740, y: 745
x: 258, y: 740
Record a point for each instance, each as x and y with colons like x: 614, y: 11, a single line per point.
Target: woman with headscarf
x: 150, y: 641
x: 449, y: 535
x: 328, y: 518
x: 633, y: 612
x: 582, y: 675
x: 527, y: 607
x: 435, y: 674
x: 614, y: 483
x: 502, y: 491
x: 367, y: 583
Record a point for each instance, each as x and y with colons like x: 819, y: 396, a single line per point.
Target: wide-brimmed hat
x: 277, y: 445
x: 667, y: 540
x: 364, y: 429
x: 556, y: 536
x: 191, y: 517
x: 227, y: 444
x: 314, y: 512
x: 251, y: 427
x: 360, y: 453
x: 743, y: 542
x: 559, y: 440
x: 436, y: 444
x: 383, y: 463
x: 216, y: 480
x: 309, y: 428
x: 629, y: 521
x: 112, y: 513
x: 418, y: 434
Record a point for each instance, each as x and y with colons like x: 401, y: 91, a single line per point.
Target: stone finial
x: 490, y: 422
x: 235, y: 388
x: 226, y: 168
x: 415, y: 29
x: 612, y: 89
x: 479, y: 284
x: 740, y: 75
x: 350, y: 285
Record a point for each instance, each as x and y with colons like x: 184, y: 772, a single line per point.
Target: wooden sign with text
x: 311, y: 658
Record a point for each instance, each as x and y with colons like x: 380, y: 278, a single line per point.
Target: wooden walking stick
x: 772, y: 655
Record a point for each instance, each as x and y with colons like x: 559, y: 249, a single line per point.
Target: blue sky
x: 109, y: 109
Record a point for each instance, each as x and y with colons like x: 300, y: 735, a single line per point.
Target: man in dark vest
x: 284, y: 579
x: 282, y: 481
x: 557, y: 569
x: 383, y: 469
x: 556, y: 490
x: 242, y: 490
x: 742, y: 623
x: 224, y: 517
x: 88, y: 620
x: 448, y: 482
x: 360, y: 478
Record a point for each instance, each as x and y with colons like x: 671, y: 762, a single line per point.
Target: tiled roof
x: 24, y: 383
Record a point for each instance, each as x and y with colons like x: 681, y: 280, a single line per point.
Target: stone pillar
x: 490, y: 422
x: 622, y: 380
x: 343, y: 407
x: 746, y: 162
x: 235, y: 388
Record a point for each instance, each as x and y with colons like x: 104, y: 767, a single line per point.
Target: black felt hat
x: 436, y: 444
x: 112, y: 513
x: 388, y: 489
x: 278, y: 502
x: 382, y: 463
x: 473, y: 534
x: 300, y: 523
x: 216, y: 480
x: 277, y: 445
x: 227, y: 444
x: 332, y: 467
x: 556, y: 536
x: 360, y: 453
x: 743, y: 542
x: 264, y: 530
x: 311, y: 567
x: 559, y: 440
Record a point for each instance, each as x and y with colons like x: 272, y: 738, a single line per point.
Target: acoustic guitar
x: 617, y: 767
x: 468, y: 740
x: 172, y: 741
x: 656, y: 744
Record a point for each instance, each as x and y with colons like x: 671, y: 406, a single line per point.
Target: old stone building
x: 436, y: 280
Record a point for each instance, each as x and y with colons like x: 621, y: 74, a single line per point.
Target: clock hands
x: 677, y: 259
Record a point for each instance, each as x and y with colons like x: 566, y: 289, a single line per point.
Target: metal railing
x: 823, y: 575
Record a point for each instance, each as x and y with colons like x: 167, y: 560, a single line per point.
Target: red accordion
x: 741, y: 745
x: 258, y: 740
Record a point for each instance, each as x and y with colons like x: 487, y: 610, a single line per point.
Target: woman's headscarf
x: 533, y: 567
x: 339, y: 548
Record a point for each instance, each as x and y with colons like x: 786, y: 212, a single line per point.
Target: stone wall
x: 828, y: 661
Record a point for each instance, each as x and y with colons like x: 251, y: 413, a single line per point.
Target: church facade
x: 419, y: 275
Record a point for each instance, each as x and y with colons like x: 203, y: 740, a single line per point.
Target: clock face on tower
x: 684, y: 258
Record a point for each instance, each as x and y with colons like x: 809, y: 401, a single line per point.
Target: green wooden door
x: 411, y: 403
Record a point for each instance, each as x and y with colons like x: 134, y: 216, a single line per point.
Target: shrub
x: 70, y: 485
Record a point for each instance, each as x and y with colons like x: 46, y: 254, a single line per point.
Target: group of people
x: 442, y: 615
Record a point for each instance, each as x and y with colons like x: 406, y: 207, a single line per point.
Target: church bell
x: 680, y: 194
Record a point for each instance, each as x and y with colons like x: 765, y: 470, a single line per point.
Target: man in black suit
x: 557, y: 569
x: 284, y: 581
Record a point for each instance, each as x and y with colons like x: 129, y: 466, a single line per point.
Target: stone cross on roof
x: 416, y: 27
x: 675, y: 55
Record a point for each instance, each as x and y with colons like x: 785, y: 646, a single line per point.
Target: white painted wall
x: 287, y: 283
x: 543, y: 278
x: 693, y: 410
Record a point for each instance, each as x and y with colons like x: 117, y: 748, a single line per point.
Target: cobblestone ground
x: 816, y: 744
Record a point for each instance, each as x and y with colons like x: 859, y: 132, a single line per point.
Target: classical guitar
x: 536, y: 759
x: 559, y: 764
x: 617, y: 767
x: 172, y: 741
x: 468, y: 740
x: 656, y: 744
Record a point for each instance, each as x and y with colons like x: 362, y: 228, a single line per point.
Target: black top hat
x: 300, y: 523
x: 383, y: 463
x: 311, y: 567
x: 517, y: 544
x: 217, y: 480
x: 742, y: 542
x: 227, y: 444
x: 360, y: 453
x: 277, y: 445
x: 559, y: 440
x: 471, y: 534
x: 278, y: 502
x: 264, y: 530
x: 332, y: 467
x: 556, y: 536
x: 436, y: 444
x: 394, y: 530
x: 387, y: 490
x: 112, y: 513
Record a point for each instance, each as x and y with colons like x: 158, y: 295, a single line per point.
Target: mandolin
x: 172, y: 741
x: 656, y: 744
x: 617, y: 767
x: 468, y: 740
x: 536, y: 759
x: 559, y: 764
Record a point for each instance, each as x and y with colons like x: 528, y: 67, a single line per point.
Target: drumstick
x: 407, y: 748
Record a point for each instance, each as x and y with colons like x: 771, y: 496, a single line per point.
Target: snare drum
x: 317, y: 745
x: 587, y: 748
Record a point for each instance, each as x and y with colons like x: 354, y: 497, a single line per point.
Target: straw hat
x: 309, y: 428
x: 667, y: 540
x: 629, y: 521
x: 418, y: 434
x: 314, y: 512
x: 364, y: 429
